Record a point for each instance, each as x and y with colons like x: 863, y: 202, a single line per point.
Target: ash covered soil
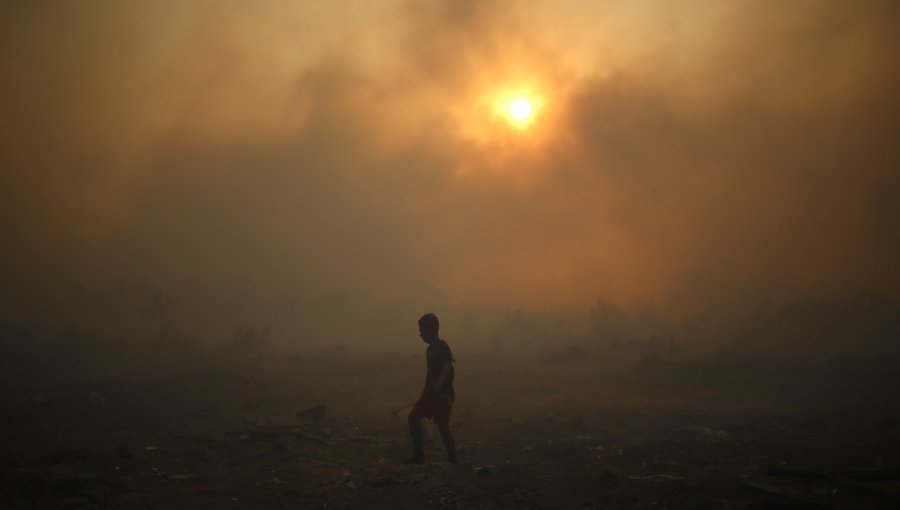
x: 531, y: 434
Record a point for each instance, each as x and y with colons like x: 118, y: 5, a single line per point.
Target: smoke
x: 704, y: 157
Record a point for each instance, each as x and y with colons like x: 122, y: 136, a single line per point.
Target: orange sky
x: 705, y: 155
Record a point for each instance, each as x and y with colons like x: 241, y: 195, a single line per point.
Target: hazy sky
x: 700, y: 154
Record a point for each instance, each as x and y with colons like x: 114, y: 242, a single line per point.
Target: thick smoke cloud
x: 705, y: 157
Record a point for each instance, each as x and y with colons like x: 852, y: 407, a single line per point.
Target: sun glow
x: 520, y: 110
x: 512, y: 111
x: 512, y: 121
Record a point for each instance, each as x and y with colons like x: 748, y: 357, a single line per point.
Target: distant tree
x: 156, y: 314
x: 611, y: 323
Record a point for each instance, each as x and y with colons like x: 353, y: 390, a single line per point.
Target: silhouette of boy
x: 437, y: 398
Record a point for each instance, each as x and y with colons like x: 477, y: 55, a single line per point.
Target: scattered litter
x: 275, y: 430
x: 350, y: 485
x: 448, y: 500
x: 489, y: 469
x: 150, y: 448
x: 786, y: 496
x: 708, y: 433
x: 824, y: 489
x: 858, y: 474
x: 651, y: 477
x: 363, y: 439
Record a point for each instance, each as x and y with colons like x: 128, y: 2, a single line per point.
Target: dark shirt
x: 437, y: 356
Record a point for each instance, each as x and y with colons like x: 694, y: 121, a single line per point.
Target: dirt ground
x: 531, y: 434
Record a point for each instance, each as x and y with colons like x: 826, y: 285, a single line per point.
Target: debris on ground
x: 491, y: 469
x: 576, y: 439
x: 279, y: 430
x: 809, y: 488
x: 709, y: 433
x: 315, y: 413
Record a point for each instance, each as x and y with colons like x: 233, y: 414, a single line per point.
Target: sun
x: 520, y: 110
x: 511, y: 112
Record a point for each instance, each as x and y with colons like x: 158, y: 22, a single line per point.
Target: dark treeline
x: 95, y: 326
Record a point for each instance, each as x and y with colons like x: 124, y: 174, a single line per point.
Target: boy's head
x: 428, y: 327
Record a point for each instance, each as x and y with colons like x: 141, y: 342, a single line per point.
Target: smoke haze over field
x: 291, y: 162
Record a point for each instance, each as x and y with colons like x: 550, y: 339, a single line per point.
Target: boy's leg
x: 449, y: 442
x: 415, y: 430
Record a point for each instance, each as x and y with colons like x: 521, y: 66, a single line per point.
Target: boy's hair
x: 429, y: 322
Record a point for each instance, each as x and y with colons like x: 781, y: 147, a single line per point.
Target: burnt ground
x: 535, y: 435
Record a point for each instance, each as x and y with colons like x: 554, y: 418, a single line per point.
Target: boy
x: 437, y: 398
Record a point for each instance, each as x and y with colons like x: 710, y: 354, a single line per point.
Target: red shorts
x: 434, y: 406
